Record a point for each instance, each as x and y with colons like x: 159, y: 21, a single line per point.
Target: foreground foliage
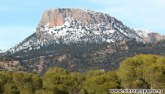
x: 141, y: 71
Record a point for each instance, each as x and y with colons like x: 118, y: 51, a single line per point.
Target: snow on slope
x: 142, y: 33
x: 76, y: 31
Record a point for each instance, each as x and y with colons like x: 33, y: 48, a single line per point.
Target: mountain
x: 76, y: 26
x: 80, y: 40
x: 150, y: 36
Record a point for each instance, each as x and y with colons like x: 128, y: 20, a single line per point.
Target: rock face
x: 57, y: 17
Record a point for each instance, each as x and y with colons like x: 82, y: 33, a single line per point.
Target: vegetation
x: 83, y: 57
x: 101, y: 84
x: 4, y: 58
x: 141, y: 71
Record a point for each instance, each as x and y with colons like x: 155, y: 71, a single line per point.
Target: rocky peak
x: 150, y: 36
x: 154, y: 37
x: 56, y: 17
x: 82, y: 25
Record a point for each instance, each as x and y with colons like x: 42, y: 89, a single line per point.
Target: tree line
x: 138, y: 72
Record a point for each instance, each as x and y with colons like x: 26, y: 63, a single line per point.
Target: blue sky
x: 19, y: 18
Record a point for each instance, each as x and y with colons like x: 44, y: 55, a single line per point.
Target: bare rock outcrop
x: 56, y: 17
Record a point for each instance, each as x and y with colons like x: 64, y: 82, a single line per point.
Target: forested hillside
x: 84, y: 57
x: 9, y: 63
x: 141, y: 71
